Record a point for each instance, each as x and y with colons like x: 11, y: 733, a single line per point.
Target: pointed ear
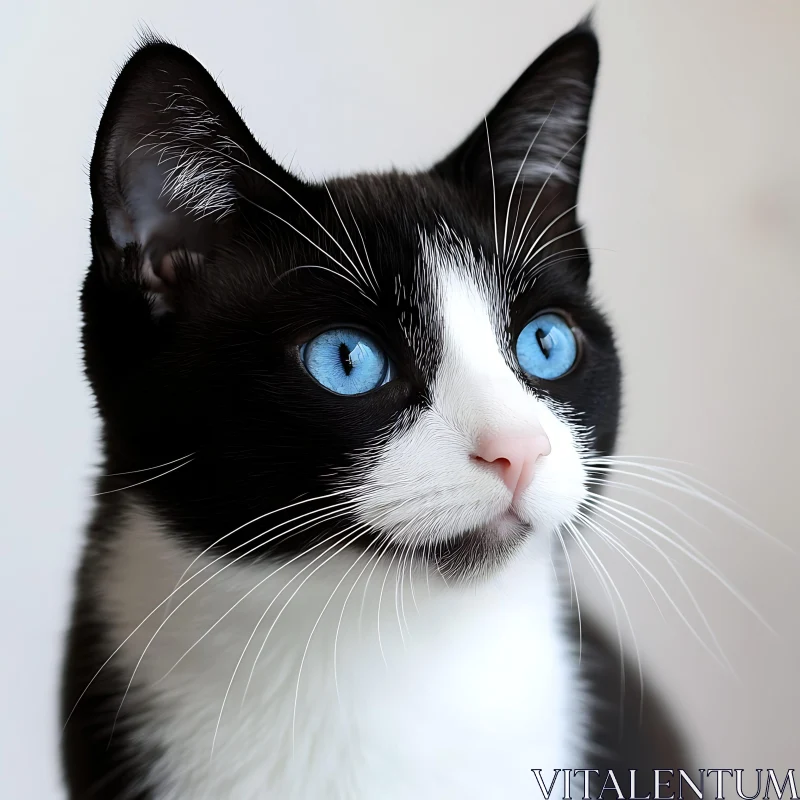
x: 173, y: 165
x: 535, y: 135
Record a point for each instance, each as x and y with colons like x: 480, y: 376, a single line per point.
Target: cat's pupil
x: 545, y: 342
x: 346, y: 357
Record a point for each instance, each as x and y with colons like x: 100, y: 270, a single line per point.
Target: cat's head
x: 395, y: 360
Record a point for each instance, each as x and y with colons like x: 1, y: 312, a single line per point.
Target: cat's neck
x: 484, y: 666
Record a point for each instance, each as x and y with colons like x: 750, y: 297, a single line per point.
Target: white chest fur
x: 438, y: 693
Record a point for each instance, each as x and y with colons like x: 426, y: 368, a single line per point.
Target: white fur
x: 437, y: 691
x: 197, y: 156
x: 424, y: 479
x: 185, y: 165
x: 477, y: 688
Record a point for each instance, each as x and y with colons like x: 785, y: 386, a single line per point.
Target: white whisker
x: 494, y: 188
x: 573, y: 587
x: 177, y: 608
x: 261, y: 618
x: 602, y: 464
x: 516, y: 177
x: 620, y: 516
x: 580, y: 541
x: 594, y: 558
x: 160, y: 605
x: 720, y: 658
x: 363, y: 271
x: 140, y: 483
x: 515, y: 254
x: 375, y: 555
x: 293, y: 199
x: 314, y: 628
x: 147, y: 469
x: 348, y: 276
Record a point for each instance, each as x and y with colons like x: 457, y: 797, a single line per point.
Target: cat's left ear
x: 535, y: 136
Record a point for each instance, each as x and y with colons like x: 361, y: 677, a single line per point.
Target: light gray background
x: 691, y: 195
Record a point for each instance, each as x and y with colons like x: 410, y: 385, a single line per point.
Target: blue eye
x: 546, y: 347
x: 346, y: 361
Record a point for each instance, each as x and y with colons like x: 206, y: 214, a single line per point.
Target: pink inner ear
x: 151, y: 278
x: 164, y: 275
x: 161, y: 278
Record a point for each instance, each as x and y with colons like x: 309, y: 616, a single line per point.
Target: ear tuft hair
x: 172, y: 162
x: 536, y: 132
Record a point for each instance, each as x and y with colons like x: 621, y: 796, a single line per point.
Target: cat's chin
x: 483, y: 550
x: 507, y: 524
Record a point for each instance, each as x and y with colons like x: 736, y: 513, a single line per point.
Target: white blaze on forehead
x: 423, y: 485
x: 475, y: 388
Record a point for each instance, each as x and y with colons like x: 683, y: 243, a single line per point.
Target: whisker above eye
x: 285, y: 191
x: 527, y: 277
x: 525, y: 232
x: 494, y: 187
x: 348, y: 275
x: 516, y: 178
x: 367, y: 278
x: 374, y: 278
x: 531, y: 255
x: 515, y: 254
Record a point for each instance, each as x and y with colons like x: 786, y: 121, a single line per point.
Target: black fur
x: 204, y: 362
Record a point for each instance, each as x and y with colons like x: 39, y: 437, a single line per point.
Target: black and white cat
x: 343, y: 423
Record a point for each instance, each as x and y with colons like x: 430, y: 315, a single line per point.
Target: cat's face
x: 396, y: 361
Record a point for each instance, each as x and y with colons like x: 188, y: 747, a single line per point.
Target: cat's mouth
x: 505, y: 523
x: 479, y: 552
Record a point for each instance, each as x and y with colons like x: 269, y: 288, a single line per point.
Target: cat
x: 343, y: 423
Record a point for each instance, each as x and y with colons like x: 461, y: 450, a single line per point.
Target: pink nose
x: 513, y: 456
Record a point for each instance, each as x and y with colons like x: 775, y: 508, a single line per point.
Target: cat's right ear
x: 532, y: 142
x: 174, y: 167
